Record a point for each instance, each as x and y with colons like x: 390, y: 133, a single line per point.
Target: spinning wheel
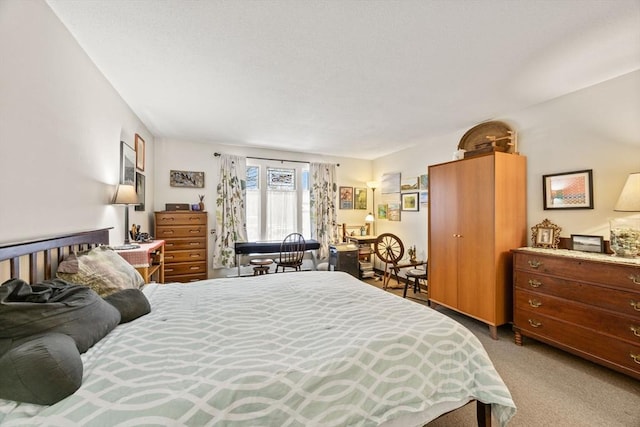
x: 389, y: 249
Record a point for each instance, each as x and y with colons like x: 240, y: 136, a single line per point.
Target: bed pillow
x: 131, y: 303
x: 101, y: 269
x: 41, y: 369
x: 55, y: 306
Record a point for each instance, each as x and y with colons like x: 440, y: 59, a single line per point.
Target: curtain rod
x: 275, y: 160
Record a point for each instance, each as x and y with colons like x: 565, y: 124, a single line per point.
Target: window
x: 277, y: 200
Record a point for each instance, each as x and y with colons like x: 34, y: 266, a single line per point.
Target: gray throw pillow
x: 131, y: 303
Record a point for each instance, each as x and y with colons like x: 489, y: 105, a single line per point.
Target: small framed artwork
x: 585, y: 243
x: 424, y: 197
x: 393, y: 211
x: 410, y: 202
x: 360, y: 198
x: 140, y: 191
x: 409, y: 184
x: 545, y: 235
x: 346, y: 197
x: 570, y: 190
x: 139, y: 152
x: 186, y: 179
x: 390, y: 183
x: 424, y: 181
x: 127, y: 164
x: 382, y: 211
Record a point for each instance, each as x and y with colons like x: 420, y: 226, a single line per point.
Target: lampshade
x: 373, y: 184
x: 126, y: 195
x: 629, y: 200
x: 369, y: 218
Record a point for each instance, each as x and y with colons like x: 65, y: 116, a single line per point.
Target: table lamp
x: 625, y: 232
x: 126, y: 195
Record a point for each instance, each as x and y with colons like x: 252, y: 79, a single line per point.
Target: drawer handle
x: 534, y: 263
x: 535, y: 303
x: 635, y: 305
x: 168, y: 257
x: 635, y: 279
x: 194, y: 243
x: 169, y: 232
x: 166, y: 270
x: 169, y: 219
x: 194, y: 268
x: 635, y: 357
x: 194, y: 256
x: 635, y: 330
x: 194, y: 231
x: 535, y: 323
x: 534, y: 283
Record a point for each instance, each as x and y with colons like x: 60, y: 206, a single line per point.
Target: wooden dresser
x: 586, y: 304
x: 185, y: 236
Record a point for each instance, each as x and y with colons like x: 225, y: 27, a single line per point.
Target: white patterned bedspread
x: 294, y: 349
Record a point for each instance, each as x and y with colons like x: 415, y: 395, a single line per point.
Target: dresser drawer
x: 185, y: 256
x: 618, y: 275
x: 609, y: 351
x: 581, y: 315
x: 180, y: 218
x: 173, y: 269
x: 185, y: 278
x: 185, y: 244
x: 621, y: 301
x: 180, y: 231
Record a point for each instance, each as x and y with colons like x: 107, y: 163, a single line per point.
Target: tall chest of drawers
x: 185, y: 236
x: 587, y: 304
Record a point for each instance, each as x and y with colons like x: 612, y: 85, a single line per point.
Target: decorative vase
x: 201, y: 205
x: 625, y: 237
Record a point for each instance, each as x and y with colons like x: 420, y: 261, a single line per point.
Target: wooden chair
x: 291, y: 252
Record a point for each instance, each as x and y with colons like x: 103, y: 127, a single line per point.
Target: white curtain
x: 323, y: 205
x: 231, y: 223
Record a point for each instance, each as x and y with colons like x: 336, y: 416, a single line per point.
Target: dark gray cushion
x: 131, y: 303
x: 42, y: 369
x: 55, y: 306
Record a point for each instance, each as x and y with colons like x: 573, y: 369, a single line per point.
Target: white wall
x: 61, y: 124
x: 596, y: 128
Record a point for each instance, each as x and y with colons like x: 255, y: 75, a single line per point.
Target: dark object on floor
x: 416, y: 274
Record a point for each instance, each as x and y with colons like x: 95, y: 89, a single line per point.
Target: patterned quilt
x: 288, y: 349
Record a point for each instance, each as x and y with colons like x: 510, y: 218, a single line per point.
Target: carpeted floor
x: 549, y: 386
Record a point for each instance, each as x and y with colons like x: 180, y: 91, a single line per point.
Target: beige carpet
x: 550, y: 387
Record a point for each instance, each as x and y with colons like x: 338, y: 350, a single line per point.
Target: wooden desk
x: 148, y: 259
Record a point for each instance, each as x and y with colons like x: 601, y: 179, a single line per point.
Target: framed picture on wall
x: 410, y: 202
x: 186, y: 179
x: 346, y: 197
x: 360, y: 198
x: 139, y: 152
x: 393, y: 211
x: 140, y: 191
x: 570, y: 190
x: 127, y: 164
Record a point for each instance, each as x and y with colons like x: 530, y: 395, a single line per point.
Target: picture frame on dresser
x: 586, y: 243
x: 568, y: 190
x: 545, y: 235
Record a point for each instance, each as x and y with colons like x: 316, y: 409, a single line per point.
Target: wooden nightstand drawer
x: 186, y: 244
x: 173, y: 269
x: 180, y: 218
x: 183, y: 256
x: 180, y: 231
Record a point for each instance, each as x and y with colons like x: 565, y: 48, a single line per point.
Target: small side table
x: 148, y: 259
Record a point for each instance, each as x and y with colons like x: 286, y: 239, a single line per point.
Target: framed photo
x: 545, y: 235
x: 393, y: 211
x: 127, y: 164
x: 424, y: 181
x: 186, y: 179
x: 570, y: 190
x: 409, y: 184
x: 140, y: 187
x: 360, y: 198
x: 584, y: 243
x: 139, y: 152
x: 410, y: 202
x: 346, y: 197
x: 424, y: 197
x: 382, y: 211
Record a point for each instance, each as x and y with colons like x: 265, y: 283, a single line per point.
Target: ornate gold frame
x: 545, y: 235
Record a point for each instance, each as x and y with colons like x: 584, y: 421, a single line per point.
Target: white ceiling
x: 347, y: 78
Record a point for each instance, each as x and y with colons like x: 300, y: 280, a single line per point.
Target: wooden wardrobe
x: 477, y: 214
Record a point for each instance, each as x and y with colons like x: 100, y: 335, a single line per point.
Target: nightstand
x: 148, y: 259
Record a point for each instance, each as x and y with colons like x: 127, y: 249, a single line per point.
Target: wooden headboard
x: 41, y: 257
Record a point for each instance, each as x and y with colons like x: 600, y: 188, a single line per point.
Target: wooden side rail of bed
x: 40, y: 257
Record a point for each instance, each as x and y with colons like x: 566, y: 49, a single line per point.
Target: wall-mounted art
x: 390, y: 183
x: 346, y: 197
x: 382, y: 211
x: 393, y: 211
x: 127, y: 164
x: 186, y: 179
x: 410, y: 202
x: 409, y: 184
x: 139, y: 152
x: 140, y: 188
x: 360, y: 198
x: 570, y: 190
x: 424, y: 181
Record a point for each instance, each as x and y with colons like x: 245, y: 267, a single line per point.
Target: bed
x: 311, y: 348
